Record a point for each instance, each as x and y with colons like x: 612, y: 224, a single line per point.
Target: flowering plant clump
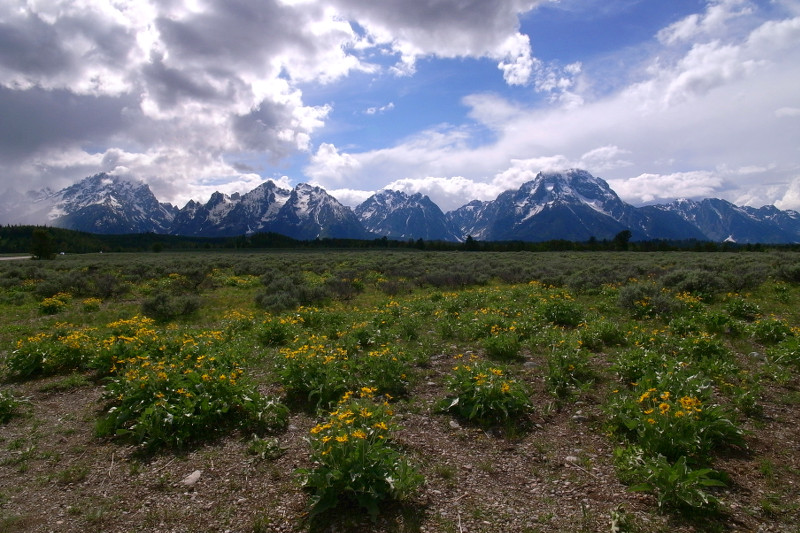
x: 385, y: 367
x: 771, y: 330
x: 354, y: 456
x: 91, y: 304
x: 561, y: 310
x: 671, y: 427
x: 55, y: 304
x: 321, y: 370
x: 677, y: 485
x: 503, y: 343
x: 236, y: 321
x: 128, y: 338
x: 485, y: 393
x: 317, y: 370
x: 568, y: 370
x: 277, y: 331
x: 184, y: 390
x: 63, y: 350
x: 677, y: 424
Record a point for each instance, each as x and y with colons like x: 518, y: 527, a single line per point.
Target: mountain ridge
x: 568, y: 205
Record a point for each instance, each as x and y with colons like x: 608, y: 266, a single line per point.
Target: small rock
x: 192, y: 478
x: 571, y: 459
x: 454, y: 425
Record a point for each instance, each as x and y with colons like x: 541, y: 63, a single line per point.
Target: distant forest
x: 21, y: 240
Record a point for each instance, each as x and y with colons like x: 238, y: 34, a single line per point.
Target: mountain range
x: 570, y: 205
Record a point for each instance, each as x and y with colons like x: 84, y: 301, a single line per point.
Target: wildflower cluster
x: 236, y: 321
x: 321, y: 370
x: 181, y: 390
x: 66, y: 348
x: 485, y: 393
x: 354, y: 457
x: 55, y: 304
x: 91, y: 304
x: 671, y: 428
x: 560, y: 309
x: 568, y: 369
x: 673, y: 425
x: 278, y: 330
x: 502, y: 343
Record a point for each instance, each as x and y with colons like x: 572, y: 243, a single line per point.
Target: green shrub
x: 702, y: 283
x: 568, y: 370
x: 677, y: 485
x: 9, y: 406
x: 562, y: 312
x: 64, y: 350
x: 164, y: 307
x: 185, y: 391
x: 672, y: 423
x: 485, y: 394
x: 737, y: 307
x: 646, y: 300
x: 502, y: 345
x: 355, y: 459
x: 771, y: 330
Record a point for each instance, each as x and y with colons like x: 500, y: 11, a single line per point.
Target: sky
x: 457, y: 99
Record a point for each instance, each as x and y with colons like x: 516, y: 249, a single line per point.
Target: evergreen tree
x: 42, y: 244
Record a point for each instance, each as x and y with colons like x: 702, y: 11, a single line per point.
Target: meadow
x: 401, y: 391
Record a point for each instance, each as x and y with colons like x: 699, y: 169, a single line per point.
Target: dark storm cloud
x: 37, y: 118
x: 459, y: 27
x: 238, y: 32
x: 169, y: 85
x: 261, y: 129
x: 32, y: 47
x: 48, y: 53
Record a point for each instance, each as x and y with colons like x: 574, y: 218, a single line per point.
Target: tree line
x: 46, y: 242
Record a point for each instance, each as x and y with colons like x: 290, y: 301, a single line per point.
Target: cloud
x: 447, y: 192
x: 713, y: 22
x: 37, y: 119
x: 221, y: 78
x: 787, y: 112
x: 379, y: 110
x: 350, y: 197
x: 196, y: 95
x: 697, y: 109
x: 649, y: 188
x: 329, y: 165
x: 791, y: 196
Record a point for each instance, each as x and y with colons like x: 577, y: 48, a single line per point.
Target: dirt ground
x: 55, y: 475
